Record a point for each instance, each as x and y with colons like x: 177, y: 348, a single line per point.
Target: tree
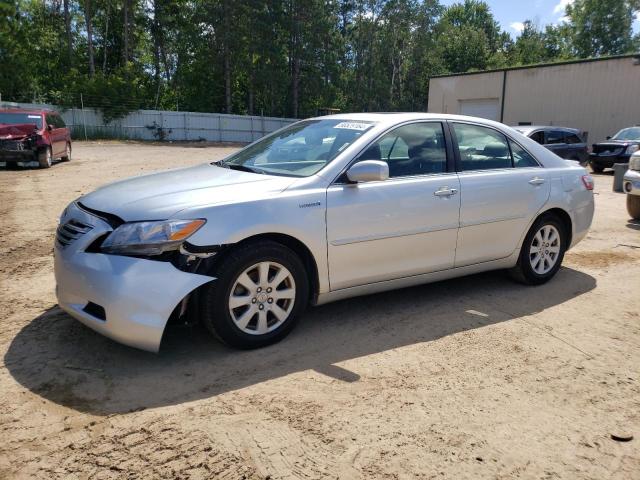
x: 530, y: 46
x: 601, y: 27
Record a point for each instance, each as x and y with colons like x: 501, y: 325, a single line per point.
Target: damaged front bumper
x: 24, y: 150
x: 127, y: 299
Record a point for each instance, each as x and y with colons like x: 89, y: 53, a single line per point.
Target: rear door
x: 502, y: 187
x: 576, y: 147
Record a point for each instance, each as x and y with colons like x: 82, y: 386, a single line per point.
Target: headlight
x: 634, y: 162
x: 631, y: 149
x: 150, y: 238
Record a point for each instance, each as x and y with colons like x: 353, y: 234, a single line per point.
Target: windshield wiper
x: 240, y: 168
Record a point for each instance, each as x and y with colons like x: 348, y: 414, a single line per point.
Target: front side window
x: 481, y: 148
x: 300, y: 150
x: 409, y: 150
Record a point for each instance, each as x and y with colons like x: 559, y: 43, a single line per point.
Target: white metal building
x: 599, y: 96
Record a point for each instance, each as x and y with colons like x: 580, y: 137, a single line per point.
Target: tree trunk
x: 125, y: 32
x: 88, y: 21
x: 226, y: 57
x: 67, y: 28
x: 294, y: 55
x: 104, y: 42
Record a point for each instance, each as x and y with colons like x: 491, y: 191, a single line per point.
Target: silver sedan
x: 324, y: 209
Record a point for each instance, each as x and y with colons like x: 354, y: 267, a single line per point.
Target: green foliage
x: 278, y: 58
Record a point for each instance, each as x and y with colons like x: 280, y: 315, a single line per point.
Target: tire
x: 540, y: 267
x: 633, y: 206
x: 67, y: 155
x: 596, y: 168
x: 45, y: 158
x: 259, y: 318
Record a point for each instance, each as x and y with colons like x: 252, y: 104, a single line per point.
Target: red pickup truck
x: 33, y: 136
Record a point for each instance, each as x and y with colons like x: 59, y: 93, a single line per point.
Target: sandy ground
x: 471, y: 378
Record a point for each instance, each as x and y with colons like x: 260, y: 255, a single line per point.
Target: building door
x: 482, y: 107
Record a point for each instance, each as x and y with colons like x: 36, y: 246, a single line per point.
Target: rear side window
x: 572, y: 138
x: 521, y: 158
x: 481, y: 148
x: 538, y: 137
x: 554, y: 136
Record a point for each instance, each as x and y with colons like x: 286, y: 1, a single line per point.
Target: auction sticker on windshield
x: 354, y: 126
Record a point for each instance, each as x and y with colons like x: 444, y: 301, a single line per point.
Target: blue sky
x: 511, y: 13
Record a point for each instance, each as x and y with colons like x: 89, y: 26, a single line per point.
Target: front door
x: 502, y: 188
x: 406, y: 225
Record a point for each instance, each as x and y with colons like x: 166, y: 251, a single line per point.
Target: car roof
x: 392, y: 118
x: 26, y: 110
x: 531, y: 128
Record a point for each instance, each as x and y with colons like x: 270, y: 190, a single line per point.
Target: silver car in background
x: 321, y: 210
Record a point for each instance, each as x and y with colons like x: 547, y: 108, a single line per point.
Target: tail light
x: 587, y: 181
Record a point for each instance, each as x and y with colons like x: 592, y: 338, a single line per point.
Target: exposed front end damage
x: 19, y: 143
x: 127, y: 299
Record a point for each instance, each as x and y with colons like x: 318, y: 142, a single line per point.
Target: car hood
x: 16, y: 131
x: 617, y: 143
x: 159, y: 196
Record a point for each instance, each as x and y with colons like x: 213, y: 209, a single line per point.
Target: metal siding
x: 178, y: 126
x: 599, y: 97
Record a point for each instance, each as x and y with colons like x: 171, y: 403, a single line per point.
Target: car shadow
x: 633, y: 224
x: 63, y: 361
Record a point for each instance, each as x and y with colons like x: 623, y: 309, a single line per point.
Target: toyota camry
x: 323, y: 209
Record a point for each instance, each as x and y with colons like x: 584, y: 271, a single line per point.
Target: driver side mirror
x: 608, y: 137
x: 368, y: 171
x: 50, y: 127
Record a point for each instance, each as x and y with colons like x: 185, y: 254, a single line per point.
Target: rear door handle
x: 445, y: 192
x: 536, y: 181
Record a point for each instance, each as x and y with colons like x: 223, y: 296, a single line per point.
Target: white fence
x: 165, y: 125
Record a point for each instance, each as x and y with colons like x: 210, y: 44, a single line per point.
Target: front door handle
x: 445, y: 192
x: 536, y: 181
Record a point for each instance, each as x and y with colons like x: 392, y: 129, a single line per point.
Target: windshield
x: 301, y: 149
x: 628, y: 134
x: 14, y: 118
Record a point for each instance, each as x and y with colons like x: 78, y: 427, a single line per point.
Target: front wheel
x: 542, y: 251
x: 260, y: 292
x: 633, y: 206
x: 45, y: 158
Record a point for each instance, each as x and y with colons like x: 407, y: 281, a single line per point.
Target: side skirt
x: 405, y: 282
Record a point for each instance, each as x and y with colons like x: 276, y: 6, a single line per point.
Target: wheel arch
x: 565, y: 218
x: 291, y: 242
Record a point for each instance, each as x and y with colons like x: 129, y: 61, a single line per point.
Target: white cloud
x: 517, y: 26
x: 561, y: 6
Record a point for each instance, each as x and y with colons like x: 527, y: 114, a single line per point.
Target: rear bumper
x: 137, y: 295
x: 631, y: 182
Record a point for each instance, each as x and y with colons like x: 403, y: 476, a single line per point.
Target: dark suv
x: 616, y: 149
x: 28, y: 136
x: 569, y: 143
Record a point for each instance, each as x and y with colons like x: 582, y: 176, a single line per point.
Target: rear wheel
x: 633, y: 206
x: 597, y: 168
x: 45, y: 158
x: 260, y: 292
x: 67, y: 154
x: 542, y: 251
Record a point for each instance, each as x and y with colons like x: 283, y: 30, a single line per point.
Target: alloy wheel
x: 544, y: 249
x: 262, y: 298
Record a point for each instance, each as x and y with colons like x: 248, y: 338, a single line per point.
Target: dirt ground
x: 472, y: 378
